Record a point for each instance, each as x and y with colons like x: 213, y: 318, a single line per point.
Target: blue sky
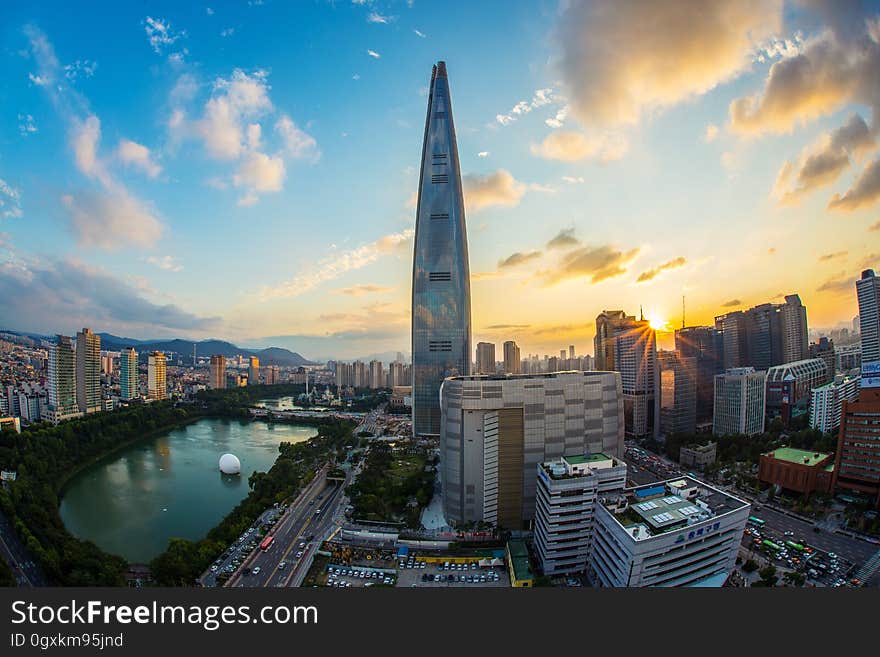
x: 246, y: 170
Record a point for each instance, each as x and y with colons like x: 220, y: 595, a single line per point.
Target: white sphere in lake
x: 229, y: 464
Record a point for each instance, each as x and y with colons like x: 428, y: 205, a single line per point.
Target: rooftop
x: 587, y: 458
x: 668, y: 505
x: 800, y: 456
x: 519, y: 560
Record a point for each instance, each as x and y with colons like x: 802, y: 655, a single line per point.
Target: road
x: 13, y: 552
x: 302, y: 528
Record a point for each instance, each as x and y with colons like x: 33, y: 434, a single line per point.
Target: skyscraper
x: 512, y: 362
x: 868, y: 291
x: 441, y: 296
x: 62, y: 380
x: 128, y: 373
x: 156, y: 375
x: 88, y: 371
x: 254, y: 371
x: 705, y: 344
x: 485, y: 358
x: 217, y: 372
x: 765, y: 335
x: 740, y: 402
x: 628, y: 345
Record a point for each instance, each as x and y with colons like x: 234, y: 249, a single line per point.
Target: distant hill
x: 268, y: 356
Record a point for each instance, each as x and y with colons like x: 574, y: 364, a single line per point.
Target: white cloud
x: 333, y: 267
x: 356, y: 76
x: 260, y: 172
x: 620, y: 59
x: 139, y: 156
x: 483, y: 154
x: 83, y: 67
x: 374, y: 54
x: 711, y: 133
x: 209, y: 11
x: 160, y: 34
x: 297, y: 143
x: 420, y: 34
x: 38, y: 80
x: 229, y: 31
x: 248, y: 200
x: 84, y: 141
x: 558, y: 120
x: 167, y: 263
x: 495, y: 189
x: 233, y: 101
x: 540, y: 98
x: 376, y: 17
x: 573, y: 180
x: 10, y: 201
x: 574, y: 146
x: 26, y: 125
x: 111, y: 220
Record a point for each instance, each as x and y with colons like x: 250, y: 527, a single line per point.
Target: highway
x: 301, y: 529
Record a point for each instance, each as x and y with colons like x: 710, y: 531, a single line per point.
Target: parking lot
x: 419, y: 573
x: 339, y: 576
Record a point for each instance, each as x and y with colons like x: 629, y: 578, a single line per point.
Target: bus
x: 771, y: 545
x: 756, y: 521
x: 266, y: 543
x: 795, y: 546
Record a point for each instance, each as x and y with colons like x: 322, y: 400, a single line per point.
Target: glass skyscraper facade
x: 441, y: 303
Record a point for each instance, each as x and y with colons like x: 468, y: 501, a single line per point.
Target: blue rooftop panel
x: 650, y: 492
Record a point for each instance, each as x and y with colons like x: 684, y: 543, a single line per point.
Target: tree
x: 794, y: 578
x: 768, y: 575
x: 750, y: 566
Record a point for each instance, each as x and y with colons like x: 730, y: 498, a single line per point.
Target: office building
x: 868, y: 292
x: 441, y: 295
x: 857, y: 462
x: 797, y: 470
x: 847, y: 357
x: 765, y: 335
x: 628, y: 345
x: 706, y: 345
x: 107, y: 363
x: 377, y: 375
x: 698, y: 457
x: 254, y: 371
x: 88, y: 371
x: 824, y: 348
x: 495, y: 430
x: 739, y: 402
x: 567, y: 492
x: 62, y: 381
x: 128, y: 374
x: 681, y: 532
x: 156, y: 388
x: 217, y: 372
x: 485, y: 358
x: 512, y: 364
x: 826, y: 401
x: 270, y: 375
x: 678, y: 393
x: 789, y: 386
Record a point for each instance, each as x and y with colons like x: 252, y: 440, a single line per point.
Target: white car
x: 256, y: 570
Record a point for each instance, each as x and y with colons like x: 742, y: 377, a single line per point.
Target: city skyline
x: 591, y: 180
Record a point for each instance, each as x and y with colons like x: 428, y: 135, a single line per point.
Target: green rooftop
x: 800, y: 456
x: 580, y: 459
x: 519, y: 557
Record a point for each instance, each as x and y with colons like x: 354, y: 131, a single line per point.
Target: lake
x: 170, y: 486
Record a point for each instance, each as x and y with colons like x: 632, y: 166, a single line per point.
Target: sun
x: 658, y: 324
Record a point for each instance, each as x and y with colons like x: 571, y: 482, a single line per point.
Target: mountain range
x: 269, y: 356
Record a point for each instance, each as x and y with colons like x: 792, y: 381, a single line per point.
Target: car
x: 256, y: 570
x: 299, y: 554
x: 832, y: 555
x: 282, y: 565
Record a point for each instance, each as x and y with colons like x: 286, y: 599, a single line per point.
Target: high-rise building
x: 765, y: 335
x: 568, y: 489
x: 739, y: 402
x: 706, y: 345
x: 628, y: 345
x: 571, y: 352
x: 868, y: 292
x: 485, y: 358
x: 512, y: 362
x: 847, y: 357
x: 678, y: 394
x: 789, y: 386
x: 107, y: 363
x: 254, y: 371
x: 88, y: 371
x: 217, y: 372
x: 857, y: 462
x: 397, y: 372
x: 128, y: 374
x: 62, y: 381
x: 826, y: 401
x: 270, y: 374
x: 680, y: 532
x: 495, y: 430
x: 377, y: 375
x: 156, y: 388
x: 360, y: 375
x: 441, y: 296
